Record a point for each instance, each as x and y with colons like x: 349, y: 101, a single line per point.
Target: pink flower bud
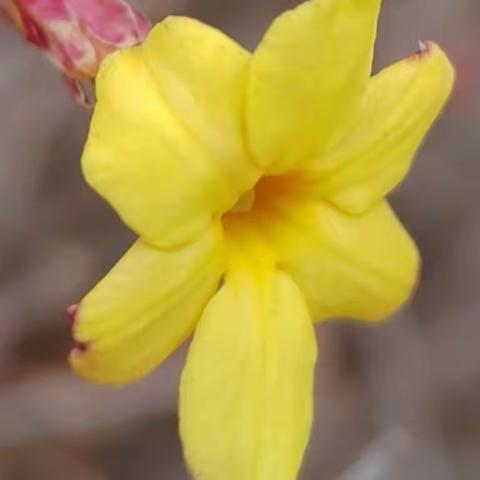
x: 78, y: 34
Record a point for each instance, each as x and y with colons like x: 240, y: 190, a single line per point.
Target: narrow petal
x: 144, y: 308
x: 246, y: 392
x: 400, y: 105
x: 364, y: 267
x: 307, y: 78
x: 162, y: 149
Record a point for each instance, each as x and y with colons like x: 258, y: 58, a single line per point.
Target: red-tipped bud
x: 78, y: 34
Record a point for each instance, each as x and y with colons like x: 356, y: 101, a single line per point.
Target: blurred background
x: 394, y: 402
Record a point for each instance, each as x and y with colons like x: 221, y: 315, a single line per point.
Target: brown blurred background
x: 396, y: 402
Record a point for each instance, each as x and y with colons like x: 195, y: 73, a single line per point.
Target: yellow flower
x: 256, y: 184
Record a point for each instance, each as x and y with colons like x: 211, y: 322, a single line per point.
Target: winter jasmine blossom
x: 256, y: 184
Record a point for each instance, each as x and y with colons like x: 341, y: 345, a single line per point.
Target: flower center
x: 244, y: 203
x: 257, y: 208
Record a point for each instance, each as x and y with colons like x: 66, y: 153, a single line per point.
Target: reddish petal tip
x: 72, y: 311
x: 79, y: 348
x: 423, y: 46
x: 78, y: 92
x: 423, y: 49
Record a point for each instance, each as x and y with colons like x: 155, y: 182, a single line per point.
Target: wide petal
x: 246, y: 391
x: 364, y: 267
x: 399, y: 107
x: 144, y: 308
x: 203, y: 76
x: 165, y: 146
x: 307, y: 77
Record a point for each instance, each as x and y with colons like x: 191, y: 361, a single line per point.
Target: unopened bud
x: 78, y: 34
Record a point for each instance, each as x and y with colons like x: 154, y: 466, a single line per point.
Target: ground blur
x: 399, y: 401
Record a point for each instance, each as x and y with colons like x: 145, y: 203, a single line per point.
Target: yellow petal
x: 246, y: 392
x: 144, y: 308
x: 202, y: 75
x: 307, y: 78
x: 363, y: 266
x: 165, y: 147
x: 400, y: 105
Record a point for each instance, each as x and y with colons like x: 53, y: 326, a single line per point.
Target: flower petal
x: 202, y: 75
x: 144, y: 308
x: 400, y: 105
x: 307, y: 78
x: 363, y: 266
x: 246, y: 391
x: 163, y: 150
